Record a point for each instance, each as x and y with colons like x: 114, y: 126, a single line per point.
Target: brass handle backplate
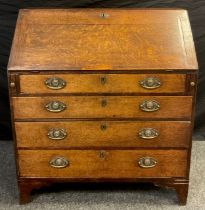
x: 57, y: 134
x: 147, y: 162
x: 58, y: 162
x: 148, y: 133
x: 55, y: 83
x: 150, y: 83
x: 55, y: 106
x: 149, y: 106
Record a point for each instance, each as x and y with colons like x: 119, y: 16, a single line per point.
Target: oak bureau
x: 102, y: 95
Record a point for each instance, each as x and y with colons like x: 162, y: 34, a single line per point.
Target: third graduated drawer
x: 94, y: 134
x: 102, y: 83
x: 145, y: 107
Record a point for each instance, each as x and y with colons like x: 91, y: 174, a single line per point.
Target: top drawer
x: 102, y: 83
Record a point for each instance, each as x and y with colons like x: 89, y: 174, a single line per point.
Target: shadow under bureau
x: 102, y: 95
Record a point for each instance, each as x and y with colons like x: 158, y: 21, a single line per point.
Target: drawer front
x: 102, y: 164
x: 92, y: 134
x: 102, y: 83
x: 103, y: 107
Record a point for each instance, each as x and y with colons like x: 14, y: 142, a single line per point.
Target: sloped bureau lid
x: 103, y: 39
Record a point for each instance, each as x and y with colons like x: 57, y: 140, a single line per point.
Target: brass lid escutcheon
x: 104, y: 15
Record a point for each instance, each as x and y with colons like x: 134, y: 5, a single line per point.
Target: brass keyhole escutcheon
x: 103, y: 102
x: 104, y: 15
x: 103, y: 80
x: 103, y: 127
x: 102, y: 154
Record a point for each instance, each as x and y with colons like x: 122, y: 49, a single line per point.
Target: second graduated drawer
x: 102, y: 83
x: 145, y: 107
x: 93, y: 134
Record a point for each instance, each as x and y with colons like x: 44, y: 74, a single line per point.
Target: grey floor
x: 104, y: 196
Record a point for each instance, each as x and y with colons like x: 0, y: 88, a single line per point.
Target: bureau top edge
x: 103, y: 71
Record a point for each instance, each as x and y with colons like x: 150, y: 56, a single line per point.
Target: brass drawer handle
x: 103, y: 80
x: 55, y: 106
x: 149, y: 106
x: 59, y: 162
x: 148, y: 133
x: 104, y: 15
x: 150, y: 83
x: 57, y: 134
x: 55, y: 83
x: 147, y: 162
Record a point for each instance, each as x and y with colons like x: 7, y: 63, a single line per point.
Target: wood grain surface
x: 122, y: 41
x: 8, y: 15
x: 112, y: 164
x: 91, y: 83
x: 88, y: 134
x: 91, y: 107
x: 102, y: 119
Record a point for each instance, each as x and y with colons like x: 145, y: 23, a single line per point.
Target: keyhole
x: 102, y: 154
x: 104, y: 103
x: 103, y: 80
x: 103, y: 127
x: 104, y: 15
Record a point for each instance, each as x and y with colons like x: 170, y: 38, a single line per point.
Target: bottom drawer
x: 102, y: 163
